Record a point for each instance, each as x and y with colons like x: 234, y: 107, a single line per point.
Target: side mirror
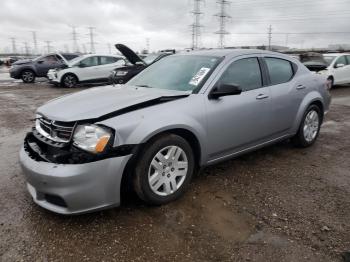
x: 40, y: 61
x: 339, y: 65
x: 224, y: 90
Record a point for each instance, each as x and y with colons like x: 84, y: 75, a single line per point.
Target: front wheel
x: 69, y: 81
x: 28, y: 76
x: 164, y: 170
x: 309, y: 128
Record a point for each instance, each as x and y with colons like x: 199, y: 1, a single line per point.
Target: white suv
x: 86, y: 68
x: 338, y: 70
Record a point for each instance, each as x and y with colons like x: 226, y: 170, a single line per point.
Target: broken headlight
x: 91, y: 138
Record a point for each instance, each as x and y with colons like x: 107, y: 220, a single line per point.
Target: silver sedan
x: 182, y: 113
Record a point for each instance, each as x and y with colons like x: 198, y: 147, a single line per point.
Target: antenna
x: 35, y: 43
x: 92, y: 43
x: 75, y: 39
x: 223, y: 16
x: 14, y: 49
x: 269, y: 35
x: 196, y: 26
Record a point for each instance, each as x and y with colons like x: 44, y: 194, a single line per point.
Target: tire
x: 173, y: 177
x: 69, y: 80
x: 309, y: 128
x: 28, y: 76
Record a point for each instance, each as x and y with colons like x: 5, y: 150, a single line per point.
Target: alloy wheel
x: 167, y: 170
x: 311, y: 125
x: 27, y: 76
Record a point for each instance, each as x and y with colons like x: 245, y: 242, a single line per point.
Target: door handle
x: 261, y: 96
x: 299, y: 87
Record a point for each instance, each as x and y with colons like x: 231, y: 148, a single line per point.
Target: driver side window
x: 90, y: 61
x: 340, y: 61
x: 244, y: 73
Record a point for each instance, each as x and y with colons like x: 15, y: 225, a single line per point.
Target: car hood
x: 129, y: 54
x: 103, y: 102
x: 22, y: 62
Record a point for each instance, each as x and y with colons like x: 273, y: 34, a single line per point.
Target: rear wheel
x: 164, y: 170
x: 309, y: 128
x: 28, y: 76
x: 69, y: 80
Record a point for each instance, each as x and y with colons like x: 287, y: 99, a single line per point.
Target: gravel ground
x: 277, y: 204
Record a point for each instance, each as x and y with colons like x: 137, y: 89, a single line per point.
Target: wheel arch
x: 28, y: 69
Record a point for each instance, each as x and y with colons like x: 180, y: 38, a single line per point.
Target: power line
x: 92, y: 43
x: 196, y: 26
x: 223, y: 16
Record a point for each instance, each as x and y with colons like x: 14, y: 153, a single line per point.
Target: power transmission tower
x: 14, y: 49
x: 48, y: 46
x: 92, y: 43
x: 35, y: 43
x: 147, y: 45
x: 84, y: 49
x: 196, y: 26
x: 269, y: 34
x: 109, y: 48
x: 223, y: 17
x: 75, y: 40
x: 26, y: 48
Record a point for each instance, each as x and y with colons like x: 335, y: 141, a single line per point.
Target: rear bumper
x: 74, y: 188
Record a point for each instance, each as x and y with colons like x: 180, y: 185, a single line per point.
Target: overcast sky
x: 166, y: 23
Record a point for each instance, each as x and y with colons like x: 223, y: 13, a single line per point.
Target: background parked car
x: 28, y: 69
x: 87, y: 68
x: 313, y: 61
x: 338, y: 70
x: 123, y: 74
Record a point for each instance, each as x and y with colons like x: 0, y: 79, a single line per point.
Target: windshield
x: 181, y: 72
x: 75, y: 60
x: 329, y: 59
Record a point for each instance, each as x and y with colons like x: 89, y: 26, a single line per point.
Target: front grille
x: 57, y: 131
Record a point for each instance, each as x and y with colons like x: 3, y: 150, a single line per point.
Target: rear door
x: 238, y: 122
x: 107, y: 64
x: 287, y: 93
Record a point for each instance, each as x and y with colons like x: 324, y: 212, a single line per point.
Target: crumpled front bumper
x: 74, y: 188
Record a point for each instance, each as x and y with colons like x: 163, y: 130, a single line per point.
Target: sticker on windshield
x: 199, y: 76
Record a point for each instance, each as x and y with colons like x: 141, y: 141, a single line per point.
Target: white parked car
x: 338, y: 70
x: 86, y: 68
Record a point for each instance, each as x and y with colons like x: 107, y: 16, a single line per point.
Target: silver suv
x: 184, y: 112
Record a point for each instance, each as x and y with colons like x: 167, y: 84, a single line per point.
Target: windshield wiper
x: 147, y: 86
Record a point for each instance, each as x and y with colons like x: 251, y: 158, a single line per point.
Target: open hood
x: 129, y: 54
x: 102, y: 102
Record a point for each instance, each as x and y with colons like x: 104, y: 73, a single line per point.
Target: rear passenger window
x: 280, y: 70
x: 245, y: 73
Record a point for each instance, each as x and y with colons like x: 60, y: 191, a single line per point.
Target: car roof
x: 89, y: 55
x: 336, y: 54
x: 230, y: 52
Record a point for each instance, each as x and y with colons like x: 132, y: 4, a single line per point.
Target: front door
x: 342, y: 70
x: 238, y: 122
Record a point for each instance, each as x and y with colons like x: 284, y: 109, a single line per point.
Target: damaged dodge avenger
x: 180, y: 114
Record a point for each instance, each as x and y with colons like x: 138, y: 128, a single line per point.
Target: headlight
x: 91, y: 138
x: 121, y: 73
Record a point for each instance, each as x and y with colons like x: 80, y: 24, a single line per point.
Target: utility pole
x: 75, y: 39
x: 48, y: 46
x: 92, y: 43
x: 147, y: 45
x: 196, y: 26
x: 26, y: 48
x: 35, y: 43
x: 14, y: 49
x: 270, y: 36
x: 223, y: 17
